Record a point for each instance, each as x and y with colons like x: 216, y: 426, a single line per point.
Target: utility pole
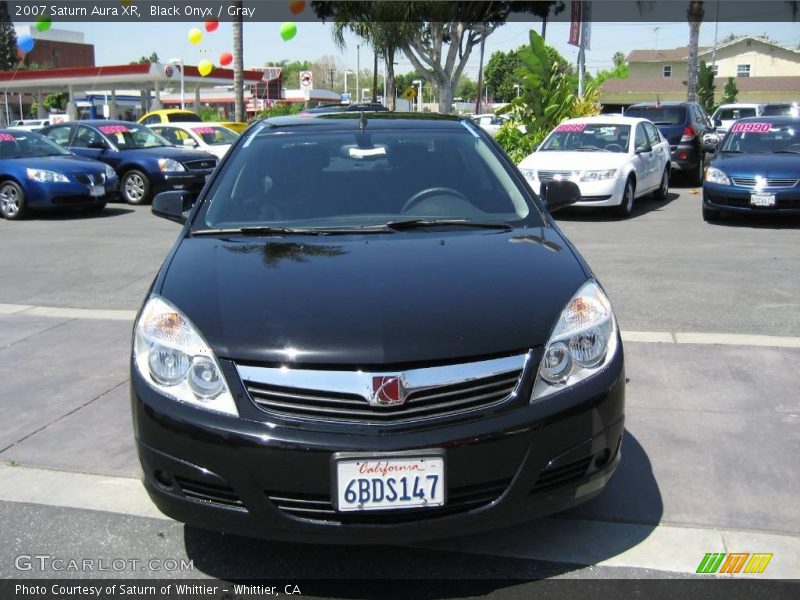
x: 358, y: 71
x: 332, y: 71
x: 482, y: 30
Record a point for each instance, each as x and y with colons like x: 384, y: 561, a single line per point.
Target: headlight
x: 529, y: 174
x: 174, y: 359
x: 598, y: 175
x: 583, y: 342
x: 714, y: 175
x: 43, y: 176
x: 110, y: 173
x: 167, y: 165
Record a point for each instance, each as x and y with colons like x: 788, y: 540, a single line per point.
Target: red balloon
x: 212, y: 25
x: 225, y: 59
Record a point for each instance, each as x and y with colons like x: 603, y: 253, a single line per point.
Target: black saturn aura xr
x: 370, y: 330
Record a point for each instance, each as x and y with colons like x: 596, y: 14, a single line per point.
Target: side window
x: 641, y: 137
x: 652, y: 134
x: 59, y: 135
x: 86, y: 137
x: 151, y: 120
x: 167, y: 133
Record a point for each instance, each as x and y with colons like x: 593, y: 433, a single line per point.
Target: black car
x: 324, y: 109
x: 683, y: 124
x: 145, y: 162
x: 370, y: 330
x: 756, y: 169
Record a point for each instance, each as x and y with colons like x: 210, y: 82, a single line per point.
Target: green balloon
x: 288, y: 31
x: 44, y: 24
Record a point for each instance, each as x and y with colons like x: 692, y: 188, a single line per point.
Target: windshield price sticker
x: 571, y: 128
x: 112, y: 129
x: 750, y: 128
x: 7, y: 137
x: 203, y: 130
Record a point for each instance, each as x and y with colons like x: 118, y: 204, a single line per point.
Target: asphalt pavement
x: 709, y: 315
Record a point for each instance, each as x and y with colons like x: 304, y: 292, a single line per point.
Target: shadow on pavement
x: 73, y: 214
x: 641, y: 207
x: 757, y: 221
x: 488, y: 561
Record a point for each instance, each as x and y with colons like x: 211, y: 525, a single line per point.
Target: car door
x: 660, y: 151
x: 643, y: 161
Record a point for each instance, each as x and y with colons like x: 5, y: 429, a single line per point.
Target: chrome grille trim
x: 205, y: 164
x: 545, y: 176
x: 774, y: 182
x: 344, y: 396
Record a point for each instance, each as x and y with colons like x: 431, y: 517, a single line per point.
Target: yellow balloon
x: 205, y: 67
x: 195, y: 36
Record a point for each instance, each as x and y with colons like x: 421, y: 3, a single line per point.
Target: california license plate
x: 762, y: 199
x: 96, y: 191
x: 390, y: 482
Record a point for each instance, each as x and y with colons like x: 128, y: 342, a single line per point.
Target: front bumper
x: 732, y: 198
x: 191, y: 181
x: 596, y: 194
x: 72, y: 194
x: 253, y: 477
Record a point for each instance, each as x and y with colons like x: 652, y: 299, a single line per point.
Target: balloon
x: 205, y: 67
x: 44, y: 24
x: 225, y: 59
x: 195, y: 36
x: 212, y: 25
x: 297, y: 7
x: 288, y: 31
x: 26, y: 43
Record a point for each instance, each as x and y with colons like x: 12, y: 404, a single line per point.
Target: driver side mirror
x: 560, y: 194
x: 173, y: 205
x: 97, y: 145
x: 643, y: 148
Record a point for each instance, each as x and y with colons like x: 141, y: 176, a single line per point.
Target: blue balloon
x: 26, y: 43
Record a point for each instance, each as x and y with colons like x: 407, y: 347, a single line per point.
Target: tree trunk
x: 695, y: 15
x: 445, y: 89
x: 238, y: 63
x: 391, y: 85
x: 375, y: 76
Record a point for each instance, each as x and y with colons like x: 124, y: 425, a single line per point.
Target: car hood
x: 65, y: 164
x: 173, y: 152
x: 382, y: 299
x: 578, y: 161
x: 776, y: 166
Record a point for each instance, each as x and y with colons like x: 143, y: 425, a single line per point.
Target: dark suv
x: 683, y: 124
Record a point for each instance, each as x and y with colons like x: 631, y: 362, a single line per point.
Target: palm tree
x: 694, y: 14
x: 238, y: 63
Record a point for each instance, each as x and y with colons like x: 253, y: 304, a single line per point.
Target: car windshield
x: 763, y: 137
x: 660, y: 115
x: 215, y: 136
x: 28, y: 145
x: 734, y: 114
x: 184, y: 117
x: 349, y: 179
x: 129, y: 136
x: 583, y: 137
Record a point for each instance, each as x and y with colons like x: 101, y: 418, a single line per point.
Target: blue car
x: 146, y: 163
x: 35, y: 173
x: 756, y: 169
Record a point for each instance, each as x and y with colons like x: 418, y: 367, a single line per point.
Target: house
x: 764, y: 72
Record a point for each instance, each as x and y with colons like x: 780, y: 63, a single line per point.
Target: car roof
x: 383, y: 120
x: 775, y: 120
x: 740, y: 105
x: 660, y: 104
x: 101, y: 122
x: 608, y: 119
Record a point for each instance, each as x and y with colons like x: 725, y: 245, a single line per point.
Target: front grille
x: 209, y: 493
x: 556, y: 476
x: 91, y: 178
x: 200, y: 165
x: 750, y: 182
x: 73, y: 199
x: 440, y: 401
x: 545, y: 176
x: 320, y: 507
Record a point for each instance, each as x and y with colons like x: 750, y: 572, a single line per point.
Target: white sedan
x: 613, y: 160
x: 210, y: 137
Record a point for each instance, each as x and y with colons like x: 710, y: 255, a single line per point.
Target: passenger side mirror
x: 717, y: 122
x: 173, y: 206
x: 560, y: 194
x: 710, y: 143
x: 190, y: 143
x: 643, y: 148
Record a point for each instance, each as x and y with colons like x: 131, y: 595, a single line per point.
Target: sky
x: 121, y: 43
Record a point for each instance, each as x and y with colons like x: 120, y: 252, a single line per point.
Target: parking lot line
x: 565, y: 540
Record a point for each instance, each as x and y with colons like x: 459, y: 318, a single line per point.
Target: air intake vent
x: 210, y: 493
x: 557, y: 476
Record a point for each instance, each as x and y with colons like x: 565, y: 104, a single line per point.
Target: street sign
x: 409, y: 93
x: 306, y: 80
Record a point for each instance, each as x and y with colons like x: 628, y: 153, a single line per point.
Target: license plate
x: 96, y: 191
x: 390, y: 482
x: 762, y: 199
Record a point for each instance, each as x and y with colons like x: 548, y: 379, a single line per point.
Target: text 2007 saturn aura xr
x: 370, y: 330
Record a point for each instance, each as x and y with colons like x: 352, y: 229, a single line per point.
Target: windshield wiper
x: 423, y: 223
x: 260, y: 230
x: 591, y: 149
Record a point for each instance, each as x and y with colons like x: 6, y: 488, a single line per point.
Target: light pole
x: 418, y: 83
x: 516, y: 87
x: 179, y: 61
x: 346, y: 73
x: 358, y: 68
x: 364, y: 94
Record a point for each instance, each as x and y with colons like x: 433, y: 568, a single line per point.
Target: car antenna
x: 362, y: 122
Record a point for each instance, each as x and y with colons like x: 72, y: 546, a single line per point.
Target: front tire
x: 12, y: 201
x: 700, y: 172
x: 663, y: 190
x: 625, y: 209
x: 135, y: 187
